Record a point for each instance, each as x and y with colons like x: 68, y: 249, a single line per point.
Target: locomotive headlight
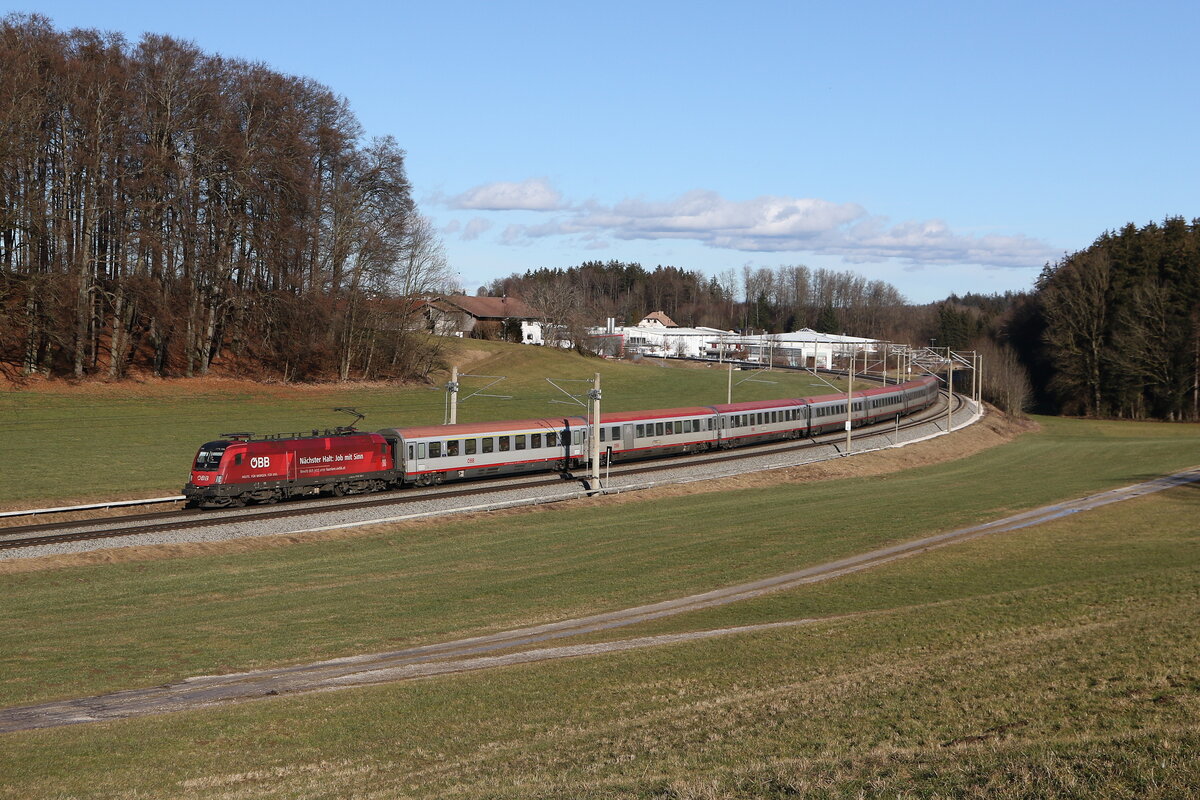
x: 220, y: 479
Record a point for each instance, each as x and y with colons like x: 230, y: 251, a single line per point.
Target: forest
x: 1114, y: 330
x: 786, y: 298
x: 162, y: 208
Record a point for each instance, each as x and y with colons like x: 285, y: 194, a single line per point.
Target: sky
x: 944, y: 147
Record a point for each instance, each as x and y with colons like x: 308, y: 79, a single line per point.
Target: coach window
x: 469, y: 447
x: 520, y: 441
x: 616, y: 432
x: 641, y: 431
x: 604, y: 434
x: 452, y: 447
x: 678, y: 426
x: 503, y: 440
x: 421, y: 451
x: 535, y: 441
x: 435, y: 449
x: 487, y: 444
x: 658, y: 429
x: 577, y: 437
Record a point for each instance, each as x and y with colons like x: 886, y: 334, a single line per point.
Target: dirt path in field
x: 485, y: 652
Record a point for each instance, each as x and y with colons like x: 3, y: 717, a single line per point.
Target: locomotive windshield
x: 209, y: 457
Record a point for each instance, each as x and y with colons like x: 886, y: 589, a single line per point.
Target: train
x: 239, y: 468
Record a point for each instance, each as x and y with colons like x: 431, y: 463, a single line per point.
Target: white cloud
x: 475, y: 228
x: 535, y: 194
x: 763, y: 224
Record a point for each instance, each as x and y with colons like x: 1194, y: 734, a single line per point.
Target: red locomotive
x: 237, y: 468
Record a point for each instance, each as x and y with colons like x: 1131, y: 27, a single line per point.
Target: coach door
x: 627, y: 440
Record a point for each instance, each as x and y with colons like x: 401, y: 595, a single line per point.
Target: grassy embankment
x: 104, y: 441
x: 1061, y: 660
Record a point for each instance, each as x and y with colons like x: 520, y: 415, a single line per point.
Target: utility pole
x: 974, y: 374
x: 850, y: 401
x: 729, y: 391
x: 979, y: 398
x: 949, y: 391
x: 452, y: 388
x: 594, y: 454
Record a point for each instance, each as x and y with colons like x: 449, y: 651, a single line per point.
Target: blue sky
x: 942, y: 147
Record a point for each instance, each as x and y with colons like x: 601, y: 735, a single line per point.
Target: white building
x: 650, y: 337
x: 802, y: 348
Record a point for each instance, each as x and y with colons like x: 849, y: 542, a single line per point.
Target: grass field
x: 1059, y: 661
x: 64, y: 443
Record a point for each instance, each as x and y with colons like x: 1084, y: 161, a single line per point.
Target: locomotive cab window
x: 209, y: 457
x: 237, y: 460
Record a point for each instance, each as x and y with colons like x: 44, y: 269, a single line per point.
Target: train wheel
x: 424, y: 480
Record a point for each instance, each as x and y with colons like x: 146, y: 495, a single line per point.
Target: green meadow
x: 1058, y: 661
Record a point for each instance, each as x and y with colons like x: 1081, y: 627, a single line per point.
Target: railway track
x: 49, y: 533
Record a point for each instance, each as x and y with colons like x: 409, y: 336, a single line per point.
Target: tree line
x: 1114, y: 329
x: 786, y: 298
x: 162, y: 207
x: 1110, y: 331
